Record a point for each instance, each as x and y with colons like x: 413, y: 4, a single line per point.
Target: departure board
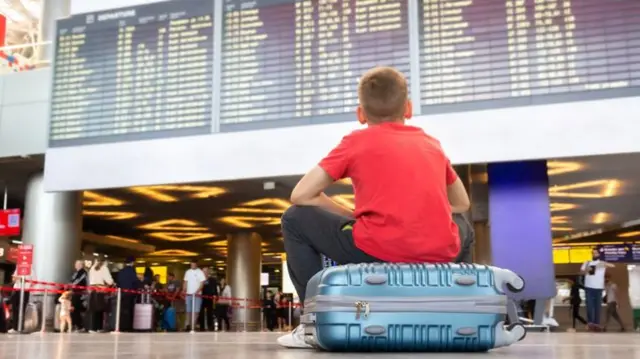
x: 133, y: 73
x: 288, y: 62
x: 492, y: 53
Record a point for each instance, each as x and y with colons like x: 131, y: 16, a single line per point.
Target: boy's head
x: 383, y: 96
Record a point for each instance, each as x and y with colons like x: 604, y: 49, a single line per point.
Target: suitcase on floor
x: 143, y: 314
x: 410, y: 308
x: 169, y: 321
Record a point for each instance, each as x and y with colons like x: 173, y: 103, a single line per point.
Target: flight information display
x: 296, y: 62
x: 492, y: 53
x: 133, y: 73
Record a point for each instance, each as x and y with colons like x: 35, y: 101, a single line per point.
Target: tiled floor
x: 261, y: 345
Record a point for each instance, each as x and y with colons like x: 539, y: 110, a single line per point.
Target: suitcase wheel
x: 519, y: 288
x: 518, y: 330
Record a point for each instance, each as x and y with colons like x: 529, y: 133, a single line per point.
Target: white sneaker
x: 12, y: 331
x: 295, y: 339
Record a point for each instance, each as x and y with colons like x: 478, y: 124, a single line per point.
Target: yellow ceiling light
x: 208, y: 259
x: 158, y: 193
x: 250, y: 222
x: 346, y: 200
x: 94, y: 199
x: 220, y: 244
x: 629, y: 234
x: 605, y: 188
x: 561, y: 229
x: 558, y: 207
x: 123, y: 239
x: 173, y: 253
x: 560, y: 220
x: 180, y: 236
x: 173, y: 260
x: 600, y: 218
x: 480, y: 178
x: 263, y: 206
x: 346, y: 182
x: 115, y: 216
x: 183, y: 225
x: 560, y: 167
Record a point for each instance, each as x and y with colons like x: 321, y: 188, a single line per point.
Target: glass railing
x: 25, y: 57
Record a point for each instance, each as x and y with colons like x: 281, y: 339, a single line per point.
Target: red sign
x: 9, y: 222
x: 25, y: 260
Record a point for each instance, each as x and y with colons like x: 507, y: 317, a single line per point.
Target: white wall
x: 82, y: 6
x: 531, y: 132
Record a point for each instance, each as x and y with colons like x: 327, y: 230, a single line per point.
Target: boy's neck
x: 397, y: 122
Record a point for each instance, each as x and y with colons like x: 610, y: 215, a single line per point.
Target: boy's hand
x: 310, y: 192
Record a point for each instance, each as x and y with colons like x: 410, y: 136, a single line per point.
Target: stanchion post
x: 290, y: 315
x: 118, y: 309
x: 246, y: 313
x: 261, y: 319
x: 45, y: 301
x: 193, y: 313
x: 21, y: 306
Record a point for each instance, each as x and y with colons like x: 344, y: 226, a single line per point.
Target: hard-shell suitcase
x: 143, y: 314
x: 410, y: 307
x: 169, y: 321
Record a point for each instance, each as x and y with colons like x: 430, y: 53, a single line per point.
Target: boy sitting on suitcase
x: 406, y: 191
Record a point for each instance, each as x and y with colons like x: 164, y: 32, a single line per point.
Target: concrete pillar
x: 244, y: 265
x: 52, y: 10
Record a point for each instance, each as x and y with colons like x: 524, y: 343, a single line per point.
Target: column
x: 53, y: 225
x: 480, y: 214
x: 520, y: 226
x: 52, y: 10
x: 244, y: 265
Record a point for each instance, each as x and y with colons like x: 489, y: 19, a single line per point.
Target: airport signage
x: 25, y: 260
x: 9, y: 222
x: 620, y: 253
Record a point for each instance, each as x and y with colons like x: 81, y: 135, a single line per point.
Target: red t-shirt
x: 400, y: 177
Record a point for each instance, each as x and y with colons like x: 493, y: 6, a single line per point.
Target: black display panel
x: 288, y: 62
x: 495, y: 53
x: 133, y: 73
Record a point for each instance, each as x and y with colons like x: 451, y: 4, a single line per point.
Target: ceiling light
x: 93, y: 199
x: 558, y: 207
x: 346, y: 182
x: 173, y: 260
x: 208, y: 259
x: 600, y: 218
x: 180, y: 236
x: 115, y: 216
x: 174, y: 225
x: 346, y: 200
x: 155, y: 264
x: 122, y: 239
x: 140, y: 261
x: 250, y: 222
x: 559, y: 219
x: 561, y: 229
x: 220, y: 268
x: 173, y: 253
x: 222, y: 244
x: 274, y: 206
x: 560, y: 167
x: 629, y: 234
x: 606, y: 187
x: 186, y: 262
x: 157, y: 193
x: 16, y: 241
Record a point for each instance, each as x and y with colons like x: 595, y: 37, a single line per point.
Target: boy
x: 406, y: 191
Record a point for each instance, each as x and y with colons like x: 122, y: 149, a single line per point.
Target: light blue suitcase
x: 410, y: 308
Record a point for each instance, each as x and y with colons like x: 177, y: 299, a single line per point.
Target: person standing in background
x: 78, y: 279
x: 611, y: 290
x: 210, y: 290
x: 128, y: 281
x: 99, y: 279
x: 224, y: 305
x: 594, y: 272
x: 192, y: 287
x: 15, y: 299
x: 575, y: 301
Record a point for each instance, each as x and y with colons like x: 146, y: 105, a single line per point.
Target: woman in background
x: 223, y: 306
x: 575, y: 301
x: 99, y: 280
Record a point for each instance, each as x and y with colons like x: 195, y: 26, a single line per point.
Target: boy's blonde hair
x: 383, y: 95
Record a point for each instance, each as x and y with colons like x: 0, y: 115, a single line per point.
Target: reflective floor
x: 261, y: 345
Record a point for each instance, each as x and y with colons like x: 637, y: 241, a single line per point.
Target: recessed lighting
x: 606, y: 188
x: 629, y: 234
x: 560, y: 167
x: 180, y: 237
x: 158, y: 193
x: 155, y: 264
x: 208, y: 259
x: 93, y: 199
x: 173, y: 253
x: 183, y: 225
x: 561, y: 229
x: 250, y: 222
x: 600, y: 218
x: 558, y: 207
x: 114, y: 216
x: 559, y: 219
x: 274, y: 206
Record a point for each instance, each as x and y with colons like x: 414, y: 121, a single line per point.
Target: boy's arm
x: 457, y: 194
x: 310, y: 192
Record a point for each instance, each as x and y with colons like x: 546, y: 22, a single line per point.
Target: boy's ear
x: 408, y: 110
x: 362, y: 118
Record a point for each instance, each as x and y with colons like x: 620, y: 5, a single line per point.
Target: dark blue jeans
x: 594, y: 304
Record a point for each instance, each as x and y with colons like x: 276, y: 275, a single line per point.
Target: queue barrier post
x: 290, y: 323
x: 21, y: 307
x: 45, y: 305
x: 193, y: 313
x: 116, y: 330
x: 261, y: 319
x: 246, y: 314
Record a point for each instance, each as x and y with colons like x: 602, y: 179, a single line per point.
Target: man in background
x: 611, y: 290
x: 128, y: 281
x: 192, y: 287
x: 594, y: 272
x: 78, y: 279
x: 209, y: 290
